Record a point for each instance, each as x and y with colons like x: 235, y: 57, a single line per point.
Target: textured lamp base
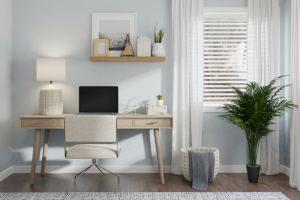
x: 51, y: 100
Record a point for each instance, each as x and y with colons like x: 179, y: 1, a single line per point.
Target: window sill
x: 211, y: 109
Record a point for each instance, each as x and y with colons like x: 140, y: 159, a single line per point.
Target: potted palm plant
x: 253, y: 110
x: 158, y: 46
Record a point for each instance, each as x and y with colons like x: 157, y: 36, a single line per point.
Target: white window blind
x: 225, y: 46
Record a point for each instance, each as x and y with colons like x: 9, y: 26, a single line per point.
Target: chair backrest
x: 91, y: 128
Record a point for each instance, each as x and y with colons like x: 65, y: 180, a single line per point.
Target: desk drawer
x: 42, y: 123
x: 152, y: 123
x: 124, y: 123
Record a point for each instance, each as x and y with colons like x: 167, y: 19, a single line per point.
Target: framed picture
x: 115, y: 27
x: 101, y: 47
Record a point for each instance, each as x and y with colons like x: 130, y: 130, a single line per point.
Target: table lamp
x: 51, y: 97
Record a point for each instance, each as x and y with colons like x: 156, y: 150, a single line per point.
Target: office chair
x: 92, y: 128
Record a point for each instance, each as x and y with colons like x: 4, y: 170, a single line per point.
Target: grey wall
x: 5, y: 84
x: 63, y: 29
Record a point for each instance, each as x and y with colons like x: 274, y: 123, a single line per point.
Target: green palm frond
x: 254, y: 110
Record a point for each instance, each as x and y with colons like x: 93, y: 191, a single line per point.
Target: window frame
x: 211, y: 12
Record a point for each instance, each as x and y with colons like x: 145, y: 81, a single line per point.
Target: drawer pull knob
x: 154, y: 122
x: 38, y: 122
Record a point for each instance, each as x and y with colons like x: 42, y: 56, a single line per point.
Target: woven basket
x: 184, y: 159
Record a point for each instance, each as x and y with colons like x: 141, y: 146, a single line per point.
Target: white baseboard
x: 232, y: 169
x: 6, y: 173
x: 77, y: 169
x: 242, y: 169
x: 285, y: 170
x: 121, y: 169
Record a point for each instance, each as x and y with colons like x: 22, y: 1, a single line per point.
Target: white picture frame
x: 114, y: 26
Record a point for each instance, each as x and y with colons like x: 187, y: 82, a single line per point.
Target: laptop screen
x: 98, y: 99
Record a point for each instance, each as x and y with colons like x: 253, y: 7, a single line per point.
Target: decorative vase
x: 158, y: 50
x: 253, y: 173
x: 160, y: 102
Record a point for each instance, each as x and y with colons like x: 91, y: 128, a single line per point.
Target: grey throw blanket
x: 202, y: 166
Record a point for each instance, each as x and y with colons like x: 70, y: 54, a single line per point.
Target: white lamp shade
x: 50, y: 69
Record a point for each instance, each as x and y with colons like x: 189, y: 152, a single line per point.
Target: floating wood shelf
x: 127, y: 59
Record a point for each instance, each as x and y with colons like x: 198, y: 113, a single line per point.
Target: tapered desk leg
x: 159, y: 158
x: 46, y: 139
x: 34, y: 154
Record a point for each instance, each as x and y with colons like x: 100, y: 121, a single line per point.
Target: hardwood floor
x: 145, y: 183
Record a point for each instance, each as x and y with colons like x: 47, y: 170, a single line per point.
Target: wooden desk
x: 124, y: 121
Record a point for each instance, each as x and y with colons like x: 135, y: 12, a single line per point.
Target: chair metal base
x: 98, y: 167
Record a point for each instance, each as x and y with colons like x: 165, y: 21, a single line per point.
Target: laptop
x: 98, y: 100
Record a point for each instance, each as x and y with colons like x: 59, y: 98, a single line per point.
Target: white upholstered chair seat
x: 91, y: 151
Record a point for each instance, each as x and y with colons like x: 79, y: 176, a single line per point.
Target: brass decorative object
x: 128, y: 49
x: 135, y: 105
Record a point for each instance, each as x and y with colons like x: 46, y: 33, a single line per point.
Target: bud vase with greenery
x: 158, y: 47
x: 253, y: 110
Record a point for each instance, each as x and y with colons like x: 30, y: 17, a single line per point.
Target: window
x: 225, y: 47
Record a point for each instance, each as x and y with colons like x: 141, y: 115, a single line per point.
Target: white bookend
x: 142, y: 46
x: 146, y: 47
x: 137, y: 47
x: 149, y: 47
x: 141, y: 41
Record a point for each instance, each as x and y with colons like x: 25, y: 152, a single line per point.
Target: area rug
x: 147, y: 195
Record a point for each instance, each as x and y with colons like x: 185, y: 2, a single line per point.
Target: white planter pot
x: 158, y: 50
x: 160, y: 102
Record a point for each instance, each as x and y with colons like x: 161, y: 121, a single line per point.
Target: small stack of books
x: 156, y: 110
x: 144, y: 47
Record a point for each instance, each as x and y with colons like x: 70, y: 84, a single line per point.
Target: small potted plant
x: 159, y: 102
x: 253, y: 110
x: 158, y: 46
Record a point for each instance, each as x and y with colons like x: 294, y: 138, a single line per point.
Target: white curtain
x: 263, y: 64
x: 295, y: 96
x: 187, y: 25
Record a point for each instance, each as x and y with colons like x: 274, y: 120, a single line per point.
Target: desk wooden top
x: 119, y: 116
x: 142, y: 116
x: 38, y: 116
